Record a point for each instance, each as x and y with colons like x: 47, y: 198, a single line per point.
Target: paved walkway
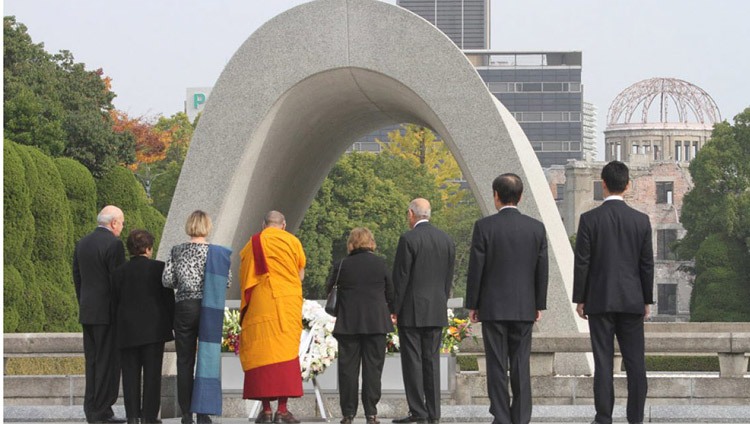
x: 675, y: 414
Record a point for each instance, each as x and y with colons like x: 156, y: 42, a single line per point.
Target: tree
x: 54, y: 103
x: 420, y: 146
x: 716, y: 214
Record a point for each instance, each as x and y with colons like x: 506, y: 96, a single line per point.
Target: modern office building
x: 542, y: 90
x: 544, y: 93
x: 466, y: 22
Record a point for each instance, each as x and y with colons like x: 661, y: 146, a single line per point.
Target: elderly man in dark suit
x: 506, y: 289
x: 422, y: 277
x: 96, y: 256
x: 613, y: 287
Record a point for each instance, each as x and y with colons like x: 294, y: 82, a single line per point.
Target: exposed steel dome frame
x: 689, y: 101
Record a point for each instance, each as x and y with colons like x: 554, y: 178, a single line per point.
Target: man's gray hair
x: 420, y: 208
x: 103, y: 219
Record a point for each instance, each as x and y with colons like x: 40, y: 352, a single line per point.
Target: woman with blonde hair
x: 363, y: 318
x: 185, y: 271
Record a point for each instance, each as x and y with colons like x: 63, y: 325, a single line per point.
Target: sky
x: 155, y: 49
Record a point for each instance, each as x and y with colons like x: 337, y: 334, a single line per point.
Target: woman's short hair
x: 198, y: 224
x: 361, y: 238
x: 139, y: 241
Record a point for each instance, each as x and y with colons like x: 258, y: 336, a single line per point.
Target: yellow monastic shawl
x: 272, y: 323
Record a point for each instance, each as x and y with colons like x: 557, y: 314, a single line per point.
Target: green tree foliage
x: 180, y: 129
x: 54, y: 103
x: 120, y: 187
x: 80, y: 189
x: 716, y: 214
x: 353, y: 195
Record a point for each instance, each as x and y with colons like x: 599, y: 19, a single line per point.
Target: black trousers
x: 628, y: 328
x: 367, y: 351
x: 186, y: 320
x: 507, y: 346
x: 102, y: 371
x: 144, y: 359
x: 420, y: 366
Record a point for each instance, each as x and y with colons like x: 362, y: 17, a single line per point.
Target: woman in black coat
x: 144, y: 323
x: 365, y: 298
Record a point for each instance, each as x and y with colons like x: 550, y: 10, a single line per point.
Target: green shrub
x: 467, y: 363
x: 682, y: 363
x: 24, y: 310
x: 80, y: 189
x: 153, y: 221
x: 120, y: 187
x: 52, y: 247
x: 18, y: 227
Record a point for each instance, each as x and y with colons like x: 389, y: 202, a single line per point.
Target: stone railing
x: 731, y: 347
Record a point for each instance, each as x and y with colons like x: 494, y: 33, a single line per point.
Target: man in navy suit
x: 506, y: 289
x: 613, y: 287
x: 422, y: 278
x: 96, y: 257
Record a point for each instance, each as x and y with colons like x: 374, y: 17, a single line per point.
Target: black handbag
x: 332, y: 301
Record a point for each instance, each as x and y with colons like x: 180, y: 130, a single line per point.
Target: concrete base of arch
x: 314, y: 79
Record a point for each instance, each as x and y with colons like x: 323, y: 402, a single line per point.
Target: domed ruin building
x: 659, y: 119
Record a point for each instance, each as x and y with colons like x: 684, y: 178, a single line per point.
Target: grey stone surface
x: 310, y: 81
x: 38, y: 414
x: 702, y: 413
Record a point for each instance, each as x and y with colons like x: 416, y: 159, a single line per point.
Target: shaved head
x: 274, y: 219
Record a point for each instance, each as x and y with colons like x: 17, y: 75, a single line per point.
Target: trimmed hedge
x: 80, y: 189
x: 23, y: 308
x: 120, y: 187
x: 52, y: 251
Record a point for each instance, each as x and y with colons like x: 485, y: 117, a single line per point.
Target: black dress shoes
x: 203, y: 419
x: 112, y: 419
x: 410, y: 419
x: 347, y: 420
x: 433, y: 420
x: 372, y: 419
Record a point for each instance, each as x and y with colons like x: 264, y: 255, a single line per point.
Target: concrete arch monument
x: 314, y: 79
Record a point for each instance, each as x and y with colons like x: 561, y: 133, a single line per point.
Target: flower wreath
x: 323, y: 349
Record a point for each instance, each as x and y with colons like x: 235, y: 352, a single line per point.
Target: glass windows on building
x: 664, y: 192
x: 664, y: 241
x: 667, y: 299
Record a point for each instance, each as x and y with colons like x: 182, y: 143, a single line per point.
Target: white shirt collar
x: 420, y: 221
x: 614, y: 197
x: 506, y: 207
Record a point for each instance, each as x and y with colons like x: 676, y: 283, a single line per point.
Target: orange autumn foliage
x: 151, y: 144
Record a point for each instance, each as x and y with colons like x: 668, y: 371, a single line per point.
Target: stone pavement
x: 451, y: 414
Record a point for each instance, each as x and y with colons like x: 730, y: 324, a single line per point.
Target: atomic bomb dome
x: 659, y: 119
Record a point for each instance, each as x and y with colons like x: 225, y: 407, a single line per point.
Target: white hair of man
x: 107, y: 215
x: 420, y: 208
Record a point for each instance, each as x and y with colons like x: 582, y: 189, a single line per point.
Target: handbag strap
x: 336, y: 283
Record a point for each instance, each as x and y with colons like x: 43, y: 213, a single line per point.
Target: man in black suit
x: 96, y: 256
x: 422, y: 278
x: 506, y: 289
x: 613, y: 287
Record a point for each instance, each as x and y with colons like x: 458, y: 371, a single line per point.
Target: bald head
x: 419, y: 209
x: 274, y: 219
x: 111, y: 217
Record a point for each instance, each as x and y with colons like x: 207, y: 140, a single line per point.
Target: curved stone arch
x: 314, y: 79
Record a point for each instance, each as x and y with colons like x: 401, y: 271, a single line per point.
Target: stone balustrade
x: 732, y: 348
